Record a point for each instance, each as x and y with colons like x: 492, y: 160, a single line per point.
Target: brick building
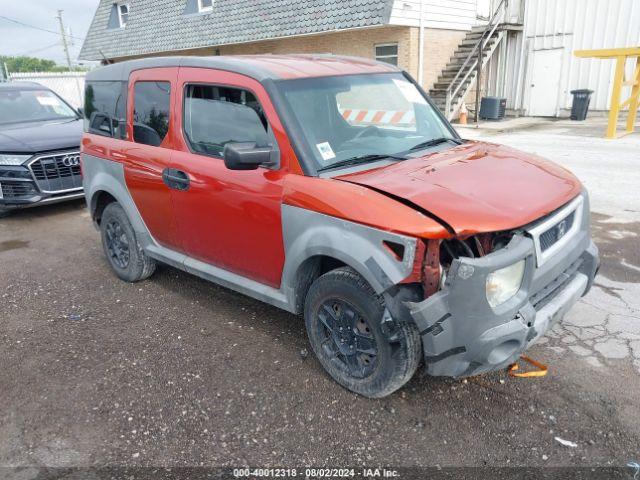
x: 388, y: 30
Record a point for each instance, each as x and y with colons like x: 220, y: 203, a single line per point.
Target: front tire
x: 354, y: 338
x: 124, y: 254
x: 4, y: 212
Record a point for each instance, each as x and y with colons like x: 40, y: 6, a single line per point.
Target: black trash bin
x: 580, y: 107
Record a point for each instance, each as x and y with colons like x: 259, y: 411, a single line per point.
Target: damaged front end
x: 490, y: 296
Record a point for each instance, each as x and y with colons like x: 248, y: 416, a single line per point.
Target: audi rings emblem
x: 71, y: 161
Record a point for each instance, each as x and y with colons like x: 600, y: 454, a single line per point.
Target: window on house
x: 123, y: 14
x: 151, y: 112
x: 215, y: 116
x: 387, y: 53
x: 205, y: 5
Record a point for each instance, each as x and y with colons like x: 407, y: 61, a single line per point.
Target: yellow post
x: 621, y: 55
x: 618, y: 80
x: 635, y: 99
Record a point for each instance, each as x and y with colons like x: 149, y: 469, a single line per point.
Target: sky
x: 20, y: 40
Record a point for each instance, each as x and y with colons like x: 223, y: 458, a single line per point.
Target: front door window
x: 215, y: 116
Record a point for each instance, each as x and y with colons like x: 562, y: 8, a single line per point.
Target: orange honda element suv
x: 333, y: 188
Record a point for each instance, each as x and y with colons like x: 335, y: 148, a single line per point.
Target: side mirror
x: 247, y: 156
x: 81, y: 112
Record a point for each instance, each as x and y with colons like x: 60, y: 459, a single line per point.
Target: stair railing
x: 474, y: 59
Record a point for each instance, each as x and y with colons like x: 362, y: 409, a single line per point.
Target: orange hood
x: 476, y: 187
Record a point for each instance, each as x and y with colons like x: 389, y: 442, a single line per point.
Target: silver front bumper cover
x: 462, y: 335
x: 556, y: 309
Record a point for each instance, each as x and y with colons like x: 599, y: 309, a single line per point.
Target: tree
x: 89, y: 99
x: 24, y: 64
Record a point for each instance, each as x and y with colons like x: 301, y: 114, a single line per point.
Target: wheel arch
x: 104, y: 180
x: 98, y: 203
x: 307, y: 273
x: 313, y: 240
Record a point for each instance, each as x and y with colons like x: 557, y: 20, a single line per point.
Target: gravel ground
x: 175, y: 371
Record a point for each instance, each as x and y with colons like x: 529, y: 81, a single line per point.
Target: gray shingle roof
x: 162, y: 26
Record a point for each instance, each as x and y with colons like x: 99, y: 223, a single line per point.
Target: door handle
x: 175, y: 179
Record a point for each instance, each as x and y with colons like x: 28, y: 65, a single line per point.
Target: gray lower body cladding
x: 462, y: 335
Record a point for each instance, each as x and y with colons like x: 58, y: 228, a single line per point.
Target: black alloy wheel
x: 354, y: 337
x: 347, y: 338
x: 117, y: 244
x: 121, y: 246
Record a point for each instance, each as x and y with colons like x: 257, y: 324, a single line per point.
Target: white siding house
x: 442, y: 14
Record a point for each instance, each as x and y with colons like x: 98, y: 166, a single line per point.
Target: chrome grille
x: 58, y: 172
x: 555, y: 233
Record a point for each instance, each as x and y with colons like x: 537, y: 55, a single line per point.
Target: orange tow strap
x: 541, y: 372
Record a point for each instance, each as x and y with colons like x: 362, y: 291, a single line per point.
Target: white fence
x: 69, y: 85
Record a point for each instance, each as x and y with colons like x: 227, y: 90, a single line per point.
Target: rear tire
x: 124, y: 254
x: 354, y: 338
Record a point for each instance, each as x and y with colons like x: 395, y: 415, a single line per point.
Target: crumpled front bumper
x: 462, y: 335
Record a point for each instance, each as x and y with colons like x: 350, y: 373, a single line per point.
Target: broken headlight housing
x: 502, y: 285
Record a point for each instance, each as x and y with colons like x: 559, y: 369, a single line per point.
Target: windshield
x: 362, y: 118
x: 18, y: 106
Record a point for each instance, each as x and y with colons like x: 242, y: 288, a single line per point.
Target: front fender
x: 308, y: 234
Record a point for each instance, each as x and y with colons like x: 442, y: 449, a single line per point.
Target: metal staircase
x: 461, y: 73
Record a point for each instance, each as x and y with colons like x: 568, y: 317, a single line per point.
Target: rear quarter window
x: 105, y: 109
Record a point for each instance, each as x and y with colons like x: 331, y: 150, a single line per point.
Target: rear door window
x: 215, y: 116
x: 151, y: 112
x: 104, y: 109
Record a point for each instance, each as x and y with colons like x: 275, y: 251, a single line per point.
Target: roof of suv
x: 260, y: 67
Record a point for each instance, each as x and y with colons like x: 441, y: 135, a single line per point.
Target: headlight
x: 9, y: 159
x: 503, y: 284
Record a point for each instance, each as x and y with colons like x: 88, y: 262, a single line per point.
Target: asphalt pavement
x: 175, y: 371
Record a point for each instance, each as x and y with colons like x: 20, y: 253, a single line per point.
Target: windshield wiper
x: 359, y: 160
x: 436, y: 141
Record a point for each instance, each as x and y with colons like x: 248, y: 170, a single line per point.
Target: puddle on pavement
x: 12, y: 245
x: 619, y: 245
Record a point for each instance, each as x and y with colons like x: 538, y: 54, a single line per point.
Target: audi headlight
x: 10, y: 159
x: 503, y: 284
